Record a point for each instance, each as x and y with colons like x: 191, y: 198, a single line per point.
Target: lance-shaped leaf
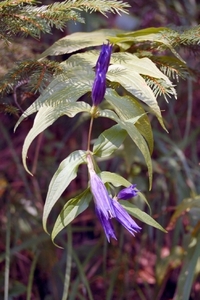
x: 134, y: 134
x: 66, y: 87
x: 46, y: 116
x: 127, y: 107
x: 115, y: 179
x: 65, y: 173
x: 70, y: 211
x: 134, y: 83
x: 159, y: 35
x: 148, y: 34
x: 79, y: 40
x: 141, y: 215
x: 189, y: 270
x: 109, y: 140
x: 145, y: 66
x: 142, y: 66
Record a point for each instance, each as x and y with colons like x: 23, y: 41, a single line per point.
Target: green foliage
x: 141, y: 215
x: 36, y: 75
x: 66, y: 172
x: 24, y: 17
x: 109, y: 141
x: 70, y: 211
x: 190, y: 269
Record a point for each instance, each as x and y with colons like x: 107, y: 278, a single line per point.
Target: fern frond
x: 34, y: 73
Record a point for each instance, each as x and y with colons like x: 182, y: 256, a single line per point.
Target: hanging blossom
x: 101, y: 68
x: 108, y: 208
x: 128, y: 192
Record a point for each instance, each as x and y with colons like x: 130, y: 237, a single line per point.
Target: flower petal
x: 124, y: 218
x: 102, y: 200
x: 104, y: 58
x: 106, y: 224
x: 128, y: 192
x: 99, y: 88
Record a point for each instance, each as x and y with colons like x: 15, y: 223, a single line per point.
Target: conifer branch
x: 8, y: 109
x: 159, y: 87
x: 172, y: 67
x: 36, y: 74
x: 26, y: 18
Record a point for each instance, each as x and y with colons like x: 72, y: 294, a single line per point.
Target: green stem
x: 31, y: 276
x: 68, y: 263
x: 90, y: 133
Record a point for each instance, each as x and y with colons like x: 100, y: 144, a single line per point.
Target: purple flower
x: 124, y: 218
x: 99, y: 88
x: 107, y: 208
x: 101, y: 68
x: 104, y: 58
x: 106, y: 224
x: 103, y: 204
x: 127, y: 193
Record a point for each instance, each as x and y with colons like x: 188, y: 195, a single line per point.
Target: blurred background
x: 147, y: 267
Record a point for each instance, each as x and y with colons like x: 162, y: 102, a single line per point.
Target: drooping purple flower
x: 128, y: 192
x: 103, y: 203
x: 101, y: 68
x: 107, y: 208
x: 106, y: 224
x: 124, y: 218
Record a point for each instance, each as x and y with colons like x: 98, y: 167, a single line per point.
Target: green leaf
x: 127, y: 107
x: 65, y: 173
x: 107, y: 113
x: 135, y: 135
x: 46, y: 116
x: 78, y: 41
x: 143, y: 66
x: 146, y: 67
x: 69, y: 86
x: 114, y: 178
x: 136, y: 85
x: 70, y: 211
x: 109, y: 140
x: 185, y: 205
x: 149, y: 33
x: 159, y: 35
x: 139, y: 214
x: 141, y: 144
x: 187, y: 273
